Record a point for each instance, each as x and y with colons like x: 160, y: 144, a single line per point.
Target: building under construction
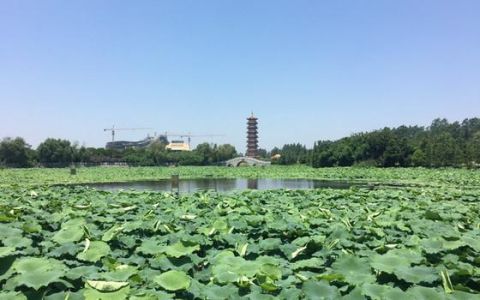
x: 252, y: 136
x: 122, y: 145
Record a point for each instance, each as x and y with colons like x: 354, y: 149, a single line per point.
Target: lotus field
x: 415, y: 235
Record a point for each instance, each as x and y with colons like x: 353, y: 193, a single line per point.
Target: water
x: 224, y: 184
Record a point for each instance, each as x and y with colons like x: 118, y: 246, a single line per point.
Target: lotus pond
x: 224, y: 185
x: 66, y: 242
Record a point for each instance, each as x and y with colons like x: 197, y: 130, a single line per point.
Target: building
x: 122, y: 145
x: 178, y: 146
x: 252, y: 136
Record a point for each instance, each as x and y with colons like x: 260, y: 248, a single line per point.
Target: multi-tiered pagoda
x: 252, y: 136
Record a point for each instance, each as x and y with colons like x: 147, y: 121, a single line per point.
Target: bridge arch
x: 249, y: 161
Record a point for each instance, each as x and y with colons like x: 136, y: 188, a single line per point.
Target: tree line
x: 15, y: 152
x: 442, y: 144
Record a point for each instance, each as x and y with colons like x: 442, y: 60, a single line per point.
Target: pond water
x: 224, y: 184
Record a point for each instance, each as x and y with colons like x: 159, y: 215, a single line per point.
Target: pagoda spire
x: 252, y: 136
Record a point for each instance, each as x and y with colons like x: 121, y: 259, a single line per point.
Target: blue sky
x: 309, y: 70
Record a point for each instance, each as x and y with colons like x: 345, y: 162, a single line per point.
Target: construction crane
x: 113, y: 129
x: 189, y: 136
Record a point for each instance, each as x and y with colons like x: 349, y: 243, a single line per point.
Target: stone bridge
x: 245, y: 160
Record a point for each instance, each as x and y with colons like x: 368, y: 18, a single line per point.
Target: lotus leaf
x: 71, y: 231
x: 94, y: 252
x: 103, y: 290
x: 417, y: 274
x: 420, y: 241
x: 12, y: 296
x: 355, y: 270
x: 38, y: 272
x: 320, y: 290
x: 6, y: 251
x: 173, y: 280
x: 388, y: 262
x: 180, y: 249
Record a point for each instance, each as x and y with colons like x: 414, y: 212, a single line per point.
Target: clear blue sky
x: 309, y: 70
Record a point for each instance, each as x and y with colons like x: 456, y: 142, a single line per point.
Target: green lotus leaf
x: 221, y: 226
x: 271, y: 271
x: 355, y: 294
x: 6, y: 251
x: 121, y: 273
x: 150, y: 295
x: 311, y: 263
x: 290, y: 293
x: 173, y: 280
x: 355, y: 270
x: 413, y: 256
x: 180, y: 249
x: 424, y: 293
x: 32, y: 264
x: 32, y: 227
x: 38, y: 279
x: 66, y: 295
x: 472, y: 242
x: 230, y: 268
x: 217, y: 292
x: 433, y: 245
x: 459, y: 295
x: 388, y: 262
x: 266, y: 283
x: 106, y: 286
x: 320, y: 290
x: 65, y: 249
x: 258, y: 296
x: 111, y: 233
x: 12, y: 296
x: 452, y: 245
x: 270, y: 244
x: 17, y: 241
x: 377, y: 291
x: 104, y: 290
x: 38, y: 272
x: 417, y: 274
x: 94, y: 252
x: 71, y: 231
x: 151, y: 247
x: 82, y: 272
x: 6, y: 230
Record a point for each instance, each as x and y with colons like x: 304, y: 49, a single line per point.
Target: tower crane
x: 189, y: 136
x: 113, y: 129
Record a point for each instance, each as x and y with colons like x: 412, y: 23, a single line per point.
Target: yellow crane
x: 113, y: 129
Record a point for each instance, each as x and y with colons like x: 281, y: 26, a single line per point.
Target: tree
x: 226, y: 152
x: 206, y: 152
x: 442, y: 150
x: 293, y: 154
x: 473, y: 150
x: 418, y: 158
x: 55, y: 152
x: 15, y: 152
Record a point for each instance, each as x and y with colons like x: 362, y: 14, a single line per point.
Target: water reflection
x: 252, y: 184
x: 223, y: 184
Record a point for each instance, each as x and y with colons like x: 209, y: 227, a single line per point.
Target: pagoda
x: 252, y: 136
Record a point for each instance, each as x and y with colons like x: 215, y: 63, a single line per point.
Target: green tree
x: 473, y: 150
x: 55, y: 152
x: 15, y: 152
x: 225, y: 152
x: 418, y: 158
x: 206, y: 151
x: 442, y: 150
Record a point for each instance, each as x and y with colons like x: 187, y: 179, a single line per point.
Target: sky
x: 309, y: 70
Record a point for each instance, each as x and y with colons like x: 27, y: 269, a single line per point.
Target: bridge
x: 245, y: 160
